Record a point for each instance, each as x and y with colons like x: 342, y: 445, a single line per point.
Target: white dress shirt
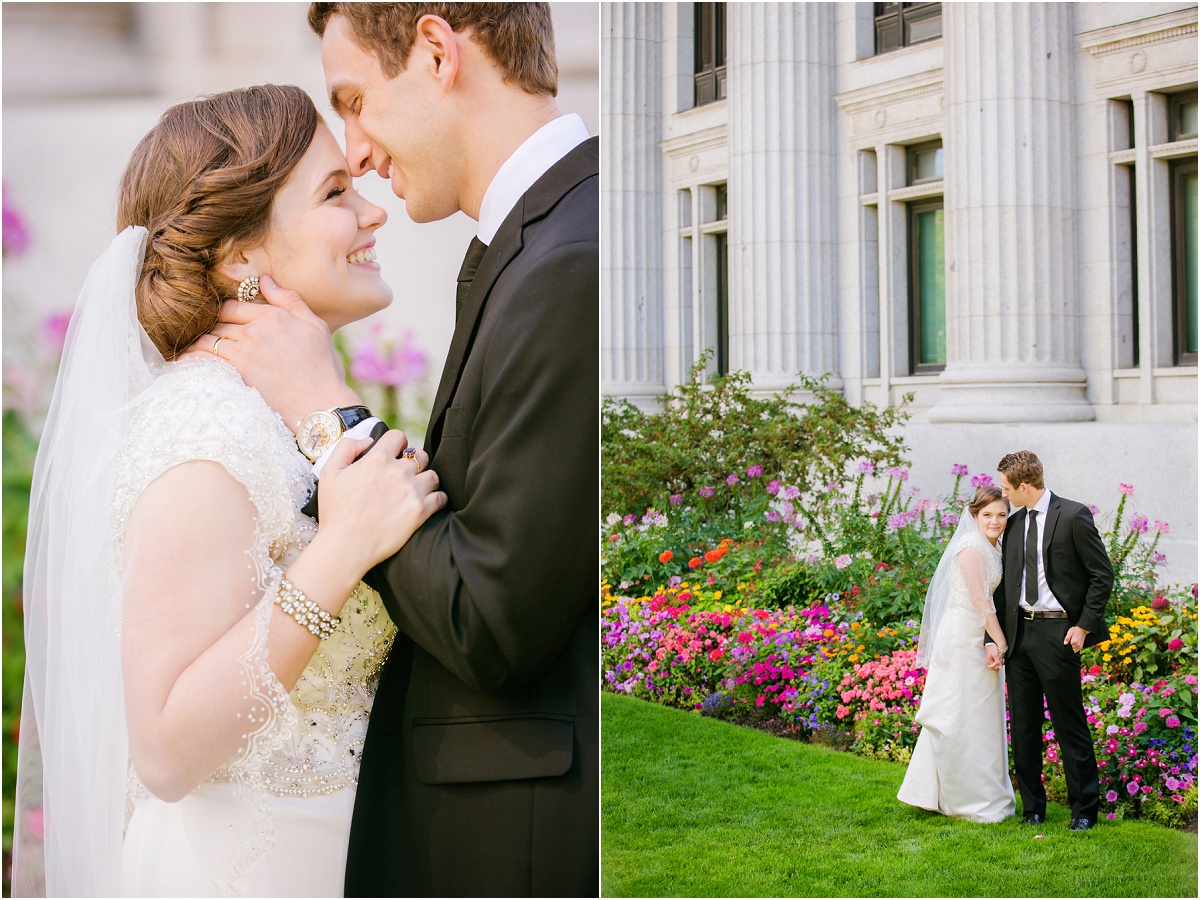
x: 1046, y: 600
x: 528, y: 163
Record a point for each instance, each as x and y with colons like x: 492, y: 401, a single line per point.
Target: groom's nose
x: 358, y: 151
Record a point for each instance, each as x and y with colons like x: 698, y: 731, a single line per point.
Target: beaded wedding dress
x: 960, y: 764
x: 275, y: 820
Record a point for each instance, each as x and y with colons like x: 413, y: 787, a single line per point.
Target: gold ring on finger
x: 217, y: 344
x: 411, y: 453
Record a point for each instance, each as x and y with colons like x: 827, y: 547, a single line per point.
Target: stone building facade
x: 988, y: 206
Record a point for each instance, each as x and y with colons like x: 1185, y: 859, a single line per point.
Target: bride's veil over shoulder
x: 72, y: 714
x: 937, y: 598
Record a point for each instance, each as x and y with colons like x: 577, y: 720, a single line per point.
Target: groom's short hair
x: 1022, y: 467
x: 517, y: 37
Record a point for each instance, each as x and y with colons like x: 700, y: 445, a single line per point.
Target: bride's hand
x: 994, y: 660
x: 371, y: 508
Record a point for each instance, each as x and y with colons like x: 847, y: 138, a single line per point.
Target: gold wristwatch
x: 320, y: 430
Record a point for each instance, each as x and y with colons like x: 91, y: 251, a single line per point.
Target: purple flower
x: 901, y: 474
x: 754, y: 472
x: 772, y: 515
x: 981, y: 480
x: 732, y: 480
x: 960, y: 469
x: 1132, y: 788
x: 389, y: 361
x: 1126, y: 489
x: 15, y: 234
x: 773, y: 488
x: 1159, y: 558
x: 1173, y: 784
x: 866, y: 468
x: 1139, y: 525
x: 792, y: 492
x: 949, y: 518
x: 706, y: 491
x: 1111, y: 796
x: 630, y: 519
x: 676, y: 499
x: 1093, y: 509
x: 897, y: 521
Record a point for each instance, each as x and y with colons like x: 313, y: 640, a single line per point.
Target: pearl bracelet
x: 293, y: 601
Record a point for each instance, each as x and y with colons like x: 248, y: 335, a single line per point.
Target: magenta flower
x: 773, y: 488
x: 1140, y: 728
x: 706, y: 491
x: 1111, y: 796
x: 1139, y: 525
x: 791, y: 492
x: 732, y: 480
x: 1126, y: 489
x: 1172, y: 721
x: 1159, y: 558
x: 630, y: 519
x: 391, y: 362
x: 949, y: 518
x: 866, y: 467
x: 15, y: 233
x: 1093, y: 509
x: 1132, y: 788
x: 981, y: 480
x: 676, y: 499
x: 960, y: 469
x: 754, y: 472
x: 54, y: 331
x: 772, y: 515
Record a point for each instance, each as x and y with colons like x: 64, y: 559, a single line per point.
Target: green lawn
x: 697, y: 807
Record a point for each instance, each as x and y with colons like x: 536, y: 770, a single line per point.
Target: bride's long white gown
x: 960, y: 764
x: 276, y: 820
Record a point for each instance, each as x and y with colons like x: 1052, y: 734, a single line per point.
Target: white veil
x: 69, y: 814
x: 937, y: 598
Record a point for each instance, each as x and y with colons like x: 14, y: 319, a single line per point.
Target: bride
x: 201, y: 660
x: 960, y: 764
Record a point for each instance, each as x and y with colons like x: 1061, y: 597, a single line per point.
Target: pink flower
x: 1126, y: 489
x: 866, y: 467
x: 1162, y: 527
x: 1174, y: 644
x: 54, y: 331
x: 842, y: 561
x: 1139, y: 525
x: 15, y: 233
x: 732, y: 480
x: 676, y: 499
x: 1111, y: 796
x: 614, y: 537
x: 981, y: 480
x: 389, y: 361
x: 706, y: 491
x: 960, y: 469
x: 754, y: 472
x: 1172, y: 721
x: 773, y: 488
x: 35, y: 823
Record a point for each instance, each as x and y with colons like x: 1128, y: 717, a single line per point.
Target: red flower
x: 695, y: 562
x: 666, y: 556
x: 712, y: 556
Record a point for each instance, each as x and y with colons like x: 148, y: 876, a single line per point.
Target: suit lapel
x: 1015, y: 561
x: 1048, y: 532
x: 580, y: 164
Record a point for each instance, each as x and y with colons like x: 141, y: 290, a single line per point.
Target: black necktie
x: 467, y: 273
x: 1031, y: 558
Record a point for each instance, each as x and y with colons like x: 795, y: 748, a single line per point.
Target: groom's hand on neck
x: 282, y: 350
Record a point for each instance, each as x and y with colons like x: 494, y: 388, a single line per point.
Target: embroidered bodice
x: 310, y: 741
x: 990, y: 569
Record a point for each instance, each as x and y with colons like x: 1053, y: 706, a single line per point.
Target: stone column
x: 630, y: 201
x: 782, y: 187
x: 1012, y: 307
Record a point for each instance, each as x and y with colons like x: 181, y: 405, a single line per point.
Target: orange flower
x: 695, y: 563
x: 712, y: 556
x: 666, y: 556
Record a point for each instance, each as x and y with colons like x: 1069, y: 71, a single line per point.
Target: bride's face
x: 992, y: 519
x: 322, y: 238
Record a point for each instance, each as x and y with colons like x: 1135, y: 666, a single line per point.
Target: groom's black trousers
x: 1043, y: 665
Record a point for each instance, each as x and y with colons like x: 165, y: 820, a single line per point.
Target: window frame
x: 900, y: 17
x: 709, y: 54
x: 1179, y: 169
x: 915, y: 209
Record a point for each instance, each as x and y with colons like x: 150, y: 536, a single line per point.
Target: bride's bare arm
x: 191, y: 586
x: 971, y: 566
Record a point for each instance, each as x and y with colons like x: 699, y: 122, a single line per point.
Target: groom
x: 480, y: 774
x: 1056, y: 582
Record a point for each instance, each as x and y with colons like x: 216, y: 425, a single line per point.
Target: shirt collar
x: 1042, y: 506
x: 529, y: 162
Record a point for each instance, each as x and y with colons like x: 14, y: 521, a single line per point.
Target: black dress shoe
x: 1033, y: 819
x: 1081, y: 824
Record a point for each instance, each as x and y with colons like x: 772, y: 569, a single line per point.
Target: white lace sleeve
x: 970, y: 563
x: 205, y: 505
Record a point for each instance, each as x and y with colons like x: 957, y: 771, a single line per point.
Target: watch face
x: 317, y: 432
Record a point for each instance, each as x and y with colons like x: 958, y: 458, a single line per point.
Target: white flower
x: 612, y: 520
x: 716, y: 435
x: 630, y: 433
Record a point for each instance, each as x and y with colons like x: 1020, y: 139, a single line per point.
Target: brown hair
x: 1022, y: 467
x: 985, y: 495
x: 517, y: 37
x: 202, y: 183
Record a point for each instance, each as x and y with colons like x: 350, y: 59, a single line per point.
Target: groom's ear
x: 441, y: 44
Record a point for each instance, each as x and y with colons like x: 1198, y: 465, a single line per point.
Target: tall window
x: 904, y: 24
x: 710, y: 52
x: 1183, y: 228
x: 704, y: 273
x: 721, y: 252
x: 926, y: 263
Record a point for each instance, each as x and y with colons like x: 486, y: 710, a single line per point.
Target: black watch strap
x: 352, y: 415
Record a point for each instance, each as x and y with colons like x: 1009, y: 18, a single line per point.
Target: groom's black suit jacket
x: 1078, y: 570
x: 480, y: 774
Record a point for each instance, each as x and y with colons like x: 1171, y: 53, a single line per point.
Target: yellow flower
x: 1107, y: 657
x: 854, y: 657
x: 716, y: 595
x: 728, y: 608
x: 828, y: 632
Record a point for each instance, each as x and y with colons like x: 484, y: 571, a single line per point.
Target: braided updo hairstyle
x: 202, y: 183
x: 985, y: 495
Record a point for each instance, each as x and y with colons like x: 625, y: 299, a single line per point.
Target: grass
x: 697, y: 807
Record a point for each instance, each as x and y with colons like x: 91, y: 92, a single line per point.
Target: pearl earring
x: 248, y: 289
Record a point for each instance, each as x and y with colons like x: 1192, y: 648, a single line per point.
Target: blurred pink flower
x: 395, y: 362
x: 1126, y: 489
x: 35, y: 823
x: 15, y: 234
x: 1162, y: 527
x: 54, y: 331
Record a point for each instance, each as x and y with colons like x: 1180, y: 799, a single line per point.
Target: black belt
x: 1051, y: 614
